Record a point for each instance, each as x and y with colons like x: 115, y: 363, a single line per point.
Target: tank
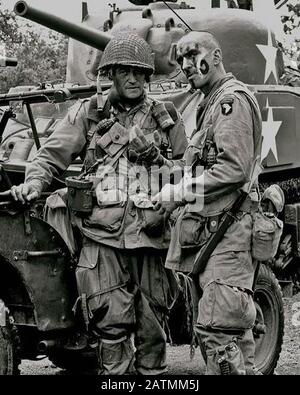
x: 251, y: 53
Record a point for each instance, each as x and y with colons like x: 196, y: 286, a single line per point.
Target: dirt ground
x: 289, y: 361
x: 179, y: 361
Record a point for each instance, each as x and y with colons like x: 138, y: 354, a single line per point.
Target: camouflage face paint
x: 194, y: 62
x: 202, y: 65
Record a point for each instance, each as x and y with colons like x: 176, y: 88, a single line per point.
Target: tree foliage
x: 291, y: 24
x: 41, y: 53
x: 292, y: 20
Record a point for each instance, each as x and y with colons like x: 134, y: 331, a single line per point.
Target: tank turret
x: 245, y: 45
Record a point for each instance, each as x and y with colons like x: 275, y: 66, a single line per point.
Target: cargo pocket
x: 266, y: 234
x: 192, y: 230
x: 87, y: 273
x: 57, y: 215
x: 151, y: 221
x: 109, y: 213
x: 226, y: 307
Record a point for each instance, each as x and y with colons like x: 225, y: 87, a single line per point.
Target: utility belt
x: 109, y: 213
x: 195, y: 229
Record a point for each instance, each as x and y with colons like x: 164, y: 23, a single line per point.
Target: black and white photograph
x: 149, y: 190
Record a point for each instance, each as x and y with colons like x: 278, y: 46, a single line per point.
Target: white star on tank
x: 270, y: 129
x: 269, y: 52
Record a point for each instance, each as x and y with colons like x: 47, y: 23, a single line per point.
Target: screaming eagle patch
x: 227, y: 105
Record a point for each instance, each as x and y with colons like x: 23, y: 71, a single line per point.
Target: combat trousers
x: 247, y: 345
x: 226, y: 313
x: 129, y: 295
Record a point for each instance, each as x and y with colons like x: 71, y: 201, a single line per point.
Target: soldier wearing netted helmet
x: 130, y: 51
x: 121, y: 278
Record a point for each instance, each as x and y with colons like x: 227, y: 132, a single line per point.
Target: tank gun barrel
x: 86, y: 35
x: 5, y: 61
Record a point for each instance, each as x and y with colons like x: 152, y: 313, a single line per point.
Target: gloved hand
x: 27, y: 191
x: 138, y: 140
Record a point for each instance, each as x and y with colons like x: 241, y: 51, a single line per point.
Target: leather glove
x: 146, y: 151
x: 138, y: 141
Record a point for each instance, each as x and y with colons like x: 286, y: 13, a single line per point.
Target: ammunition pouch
x: 193, y: 232
x: 163, y: 117
x: 113, y: 140
x: 266, y: 233
x: 109, y: 214
x: 202, y: 150
x: 79, y: 198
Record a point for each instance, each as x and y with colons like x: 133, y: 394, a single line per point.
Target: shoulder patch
x: 227, y: 104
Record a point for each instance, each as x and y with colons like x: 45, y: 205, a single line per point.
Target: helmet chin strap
x: 100, y: 101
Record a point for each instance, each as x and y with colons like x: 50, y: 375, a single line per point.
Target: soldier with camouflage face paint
x: 224, y: 146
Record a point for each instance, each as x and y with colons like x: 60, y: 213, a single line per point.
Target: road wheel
x: 269, y: 328
x: 9, y: 360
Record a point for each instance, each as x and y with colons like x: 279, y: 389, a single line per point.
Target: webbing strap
x: 106, y: 290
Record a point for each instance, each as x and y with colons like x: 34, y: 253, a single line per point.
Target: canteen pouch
x: 266, y: 233
x: 80, y: 199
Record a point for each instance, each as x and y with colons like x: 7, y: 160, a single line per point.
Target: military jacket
x: 119, y: 221
x: 230, y: 117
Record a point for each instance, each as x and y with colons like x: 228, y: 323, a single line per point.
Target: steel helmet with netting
x: 276, y: 195
x: 127, y: 50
